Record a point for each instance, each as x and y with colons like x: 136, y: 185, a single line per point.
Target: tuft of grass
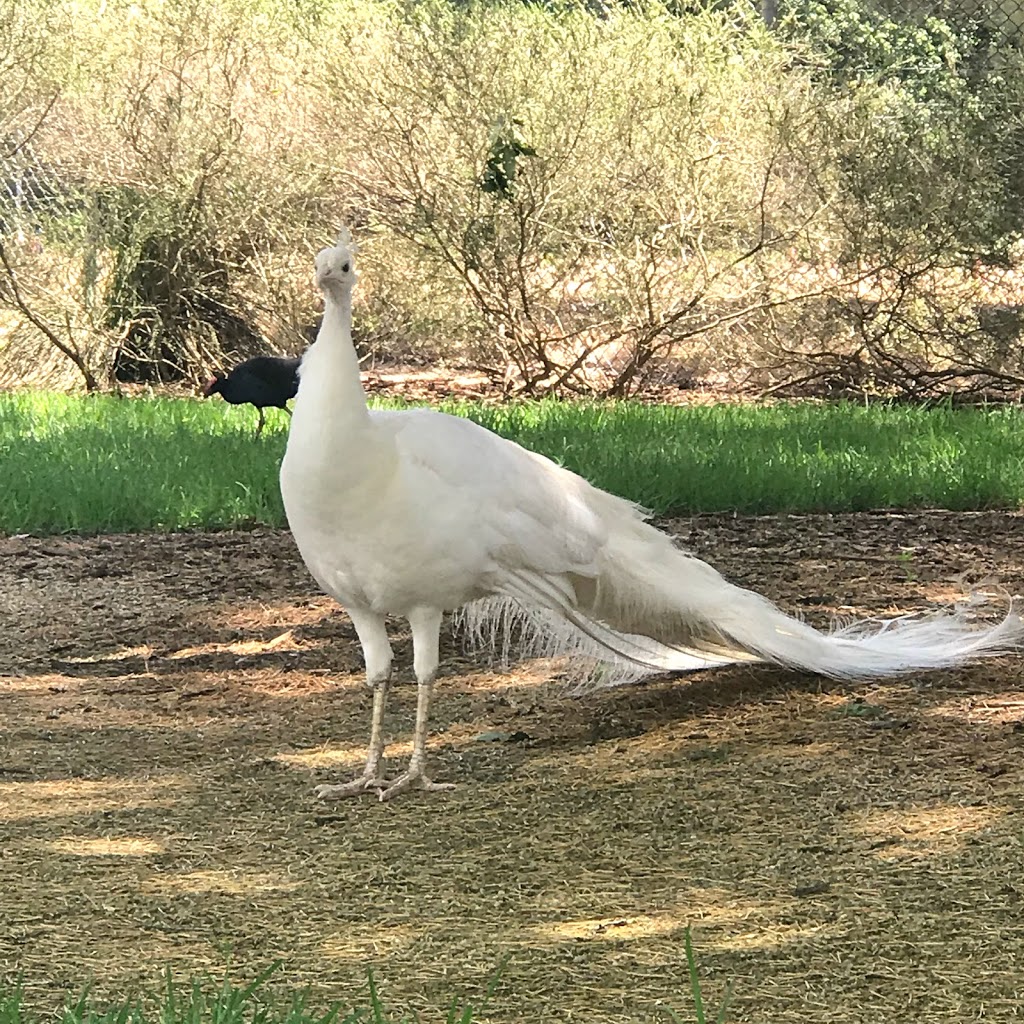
x: 103, y: 464
x: 695, y: 989
x: 202, y: 1001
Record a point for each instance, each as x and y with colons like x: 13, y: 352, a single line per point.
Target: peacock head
x: 335, y: 266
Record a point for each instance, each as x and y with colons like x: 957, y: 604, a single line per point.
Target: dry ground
x: 843, y: 853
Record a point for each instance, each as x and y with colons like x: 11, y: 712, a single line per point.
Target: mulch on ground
x: 841, y: 852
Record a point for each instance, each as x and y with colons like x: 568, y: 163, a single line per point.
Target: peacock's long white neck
x: 331, y: 368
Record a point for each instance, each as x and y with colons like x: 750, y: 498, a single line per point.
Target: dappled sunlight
x: 293, y: 684
x: 231, y: 883
x: 608, y: 929
x: 537, y: 675
x: 324, y: 757
x: 143, y: 651
x: 354, y: 944
x: 722, y: 919
x: 989, y: 597
x: 814, y: 750
x: 45, y: 684
x: 715, y: 905
x: 759, y: 809
x: 283, y: 642
x: 922, y: 831
x: 70, y: 797
x: 727, y: 921
x: 351, y: 754
x: 946, y: 593
x: 771, y: 936
x: 1004, y: 708
x: 282, y: 614
x: 110, y: 846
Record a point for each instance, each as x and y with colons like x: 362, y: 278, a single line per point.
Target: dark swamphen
x: 262, y: 381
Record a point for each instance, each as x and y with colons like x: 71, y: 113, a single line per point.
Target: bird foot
x: 364, y: 783
x: 412, y: 779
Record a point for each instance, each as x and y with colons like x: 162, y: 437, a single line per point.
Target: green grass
x: 203, y: 1001
x: 103, y: 464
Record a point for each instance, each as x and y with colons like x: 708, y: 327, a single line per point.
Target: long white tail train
x: 655, y: 608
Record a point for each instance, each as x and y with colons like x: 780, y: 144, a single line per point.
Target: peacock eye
x: 344, y: 268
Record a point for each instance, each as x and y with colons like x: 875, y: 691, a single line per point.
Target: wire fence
x: 1005, y: 16
x: 31, y: 188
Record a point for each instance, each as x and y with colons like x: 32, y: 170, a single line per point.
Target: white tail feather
x: 596, y: 657
x: 654, y: 608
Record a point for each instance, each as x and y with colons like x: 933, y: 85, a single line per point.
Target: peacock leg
x: 377, y: 654
x: 426, y: 629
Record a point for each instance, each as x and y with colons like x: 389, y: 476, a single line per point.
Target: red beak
x: 209, y: 386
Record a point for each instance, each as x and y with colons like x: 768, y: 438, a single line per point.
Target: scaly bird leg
x: 426, y: 629
x: 259, y: 425
x: 377, y: 654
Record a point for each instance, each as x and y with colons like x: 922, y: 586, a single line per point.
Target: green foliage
x: 105, y: 465
x: 930, y: 56
x: 933, y: 160
x: 507, y: 146
x: 169, y: 292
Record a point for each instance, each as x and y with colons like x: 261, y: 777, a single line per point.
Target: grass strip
x: 104, y: 464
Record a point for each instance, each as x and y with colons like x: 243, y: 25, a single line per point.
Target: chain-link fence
x: 1005, y: 16
x: 32, y: 189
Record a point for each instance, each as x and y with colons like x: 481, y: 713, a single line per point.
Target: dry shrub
x: 589, y: 199
x: 192, y: 191
x: 573, y: 201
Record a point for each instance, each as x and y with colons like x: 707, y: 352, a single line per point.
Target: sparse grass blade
x: 467, y: 1013
x: 376, y: 1004
x: 11, y: 1004
x: 695, y: 989
x: 199, y: 1001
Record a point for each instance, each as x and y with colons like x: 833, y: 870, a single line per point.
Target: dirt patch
x: 843, y: 853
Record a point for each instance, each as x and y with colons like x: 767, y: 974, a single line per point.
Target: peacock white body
x: 416, y: 513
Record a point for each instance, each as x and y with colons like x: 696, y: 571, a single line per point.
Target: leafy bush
x: 922, y: 191
x: 934, y: 156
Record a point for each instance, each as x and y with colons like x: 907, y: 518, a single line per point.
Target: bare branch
x: 11, y: 293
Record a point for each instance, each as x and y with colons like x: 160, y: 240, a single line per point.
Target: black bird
x: 262, y: 381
